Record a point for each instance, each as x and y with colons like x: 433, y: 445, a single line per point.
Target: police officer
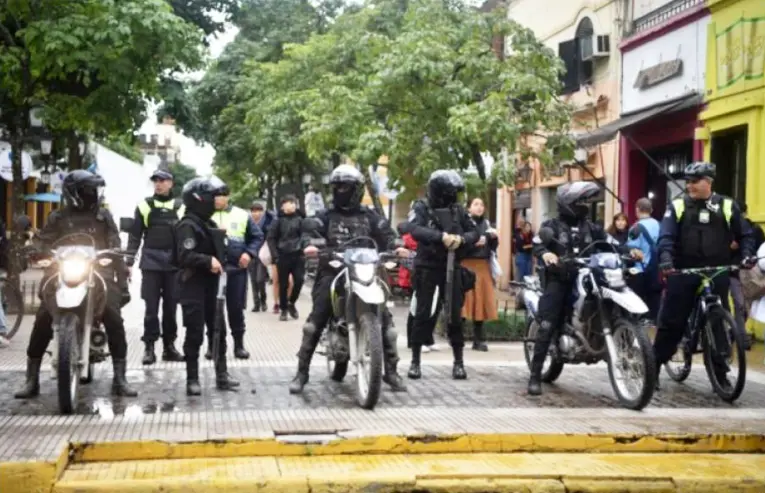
x: 573, y: 231
x: 244, y: 241
x: 344, y: 220
x: 439, y: 224
x: 200, y: 254
x: 697, y: 231
x: 81, y: 213
x: 152, y: 224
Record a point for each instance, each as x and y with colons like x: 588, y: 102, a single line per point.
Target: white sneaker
x: 425, y: 349
x: 4, y: 342
x: 435, y: 347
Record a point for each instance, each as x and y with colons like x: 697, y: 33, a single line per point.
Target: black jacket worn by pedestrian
x: 698, y: 233
x: 152, y: 224
x: 427, y: 230
x: 197, y: 242
x: 484, y: 251
x: 284, y: 234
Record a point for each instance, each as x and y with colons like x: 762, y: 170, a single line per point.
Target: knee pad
x: 390, y: 336
x: 309, y: 329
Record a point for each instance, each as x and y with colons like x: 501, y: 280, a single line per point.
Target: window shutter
x: 567, y: 51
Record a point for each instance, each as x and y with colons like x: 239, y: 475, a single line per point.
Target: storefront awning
x: 607, y: 132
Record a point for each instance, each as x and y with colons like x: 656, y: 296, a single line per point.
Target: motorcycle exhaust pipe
x: 97, y: 338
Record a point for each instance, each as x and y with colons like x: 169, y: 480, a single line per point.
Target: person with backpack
x: 153, y: 223
x: 644, y: 236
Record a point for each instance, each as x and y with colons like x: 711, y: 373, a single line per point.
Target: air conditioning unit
x: 595, y: 46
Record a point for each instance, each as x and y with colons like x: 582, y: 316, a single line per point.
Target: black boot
x: 293, y: 311
x: 239, y: 351
x: 283, y: 316
x: 415, y: 373
x: 255, y: 306
x: 458, y: 369
x: 223, y: 380
x: 32, y: 385
x: 192, y: 378
x: 169, y: 353
x: 149, y: 358
x: 208, y: 353
x: 120, y: 384
x: 392, y: 378
x: 535, y: 379
x: 479, y: 343
x: 305, y: 354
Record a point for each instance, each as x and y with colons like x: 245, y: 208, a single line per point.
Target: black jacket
x: 284, y: 234
x: 427, y: 230
x: 570, y: 235
x: 486, y: 250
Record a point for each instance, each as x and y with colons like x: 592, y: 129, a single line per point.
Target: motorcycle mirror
x: 126, y: 224
x: 546, y: 234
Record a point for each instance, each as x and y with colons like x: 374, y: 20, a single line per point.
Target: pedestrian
x: 644, y: 237
x: 244, y: 241
x: 257, y: 270
x: 284, y: 241
x: 440, y: 225
x: 522, y: 243
x: 201, y: 255
x: 619, y: 229
x: 480, y: 303
x: 152, y: 225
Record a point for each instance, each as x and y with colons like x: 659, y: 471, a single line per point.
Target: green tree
x: 417, y: 81
x: 182, y: 174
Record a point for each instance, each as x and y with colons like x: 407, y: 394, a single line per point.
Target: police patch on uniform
x: 537, y: 240
x: 234, y: 226
x: 411, y: 216
x: 189, y: 243
x: 704, y: 217
x: 668, y: 213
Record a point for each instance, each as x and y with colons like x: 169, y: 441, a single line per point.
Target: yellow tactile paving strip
x: 505, y: 473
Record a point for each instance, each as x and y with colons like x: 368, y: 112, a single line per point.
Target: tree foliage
x: 417, y: 81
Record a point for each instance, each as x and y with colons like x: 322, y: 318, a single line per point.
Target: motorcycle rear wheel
x: 68, y: 367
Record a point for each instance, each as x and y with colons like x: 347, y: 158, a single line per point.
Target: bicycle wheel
x: 13, y: 305
x: 734, y: 355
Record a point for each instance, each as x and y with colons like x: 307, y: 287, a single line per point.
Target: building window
x: 576, y: 55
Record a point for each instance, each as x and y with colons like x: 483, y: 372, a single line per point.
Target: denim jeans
x: 523, y: 265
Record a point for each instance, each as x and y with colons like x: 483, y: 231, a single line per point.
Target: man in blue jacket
x: 259, y: 272
x: 244, y: 241
x: 644, y: 236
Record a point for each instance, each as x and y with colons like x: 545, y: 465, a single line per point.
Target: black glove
x: 749, y: 262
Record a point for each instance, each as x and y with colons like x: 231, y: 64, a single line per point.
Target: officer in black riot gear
x: 200, y: 255
x: 573, y: 232
x: 344, y: 220
x: 440, y: 224
x: 152, y: 225
x: 697, y: 231
x: 82, y: 213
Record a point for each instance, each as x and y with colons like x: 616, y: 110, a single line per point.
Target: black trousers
x: 42, y: 330
x: 552, y: 309
x: 198, y: 313
x: 424, y: 284
x: 293, y: 263
x: 156, y: 287
x: 258, y: 279
x: 680, y: 298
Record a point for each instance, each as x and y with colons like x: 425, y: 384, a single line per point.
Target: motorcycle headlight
x: 364, y: 272
x: 74, y: 270
x: 614, y: 278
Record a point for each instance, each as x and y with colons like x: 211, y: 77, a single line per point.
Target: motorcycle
x: 599, y: 325
x: 76, y: 298
x: 354, y: 336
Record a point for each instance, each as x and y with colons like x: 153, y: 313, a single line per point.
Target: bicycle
x: 13, y: 305
x: 709, y: 308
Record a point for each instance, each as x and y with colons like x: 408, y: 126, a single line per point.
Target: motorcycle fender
x: 531, y: 300
x: 371, y: 295
x: 627, y: 299
x: 67, y: 297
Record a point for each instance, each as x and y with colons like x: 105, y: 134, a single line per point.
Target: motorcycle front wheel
x: 369, y: 369
x: 633, y: 372
x: 68, y: 365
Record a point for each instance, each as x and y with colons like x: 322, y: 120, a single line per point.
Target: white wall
x: 127, y: 182
x: 687, y: 43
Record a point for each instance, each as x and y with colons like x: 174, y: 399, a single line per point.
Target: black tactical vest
x: 704, y: 235
x: 159, y: 221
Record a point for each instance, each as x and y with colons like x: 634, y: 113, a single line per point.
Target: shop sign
x: 741, y: 52
x: 653, y: 76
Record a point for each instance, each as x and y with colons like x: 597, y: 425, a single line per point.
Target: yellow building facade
x: 733, y: 129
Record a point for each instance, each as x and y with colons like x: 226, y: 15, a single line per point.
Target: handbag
x: 265, y: 255
x: 496, y: 269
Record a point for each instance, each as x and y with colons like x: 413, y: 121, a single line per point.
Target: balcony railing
x: 663, y: 14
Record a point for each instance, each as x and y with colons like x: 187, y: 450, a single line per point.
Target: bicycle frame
x: 705, y: 299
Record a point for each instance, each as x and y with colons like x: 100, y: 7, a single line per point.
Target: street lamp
x: 46, y: 147
x: 34, y: 118
x: 81, y: 146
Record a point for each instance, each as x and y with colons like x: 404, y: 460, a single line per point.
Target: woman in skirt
x: 480, y: 304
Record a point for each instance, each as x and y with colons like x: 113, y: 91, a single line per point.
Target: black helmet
x: 347, y: 184
x: 573, y: 198
x: 199, y: 195
x: 81, y: 190
x: 443, y: 187
x: 700, y: 169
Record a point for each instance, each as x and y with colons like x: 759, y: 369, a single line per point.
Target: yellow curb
x: 459, y: 473
x: 31, y: 477
x: 471, y: 443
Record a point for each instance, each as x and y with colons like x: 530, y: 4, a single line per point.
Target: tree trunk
x: 16, y: 244
x: 74, y: 160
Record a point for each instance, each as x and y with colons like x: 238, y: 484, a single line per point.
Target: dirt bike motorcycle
x: 76, y: 298
x: 359, y: 297
x: 600, y: 325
